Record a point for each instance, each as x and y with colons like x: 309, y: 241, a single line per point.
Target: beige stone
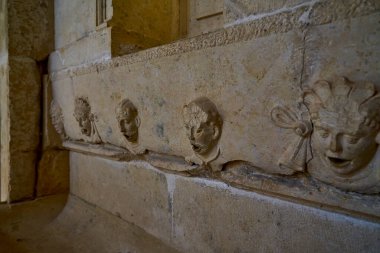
x: 239, y: 9
x: 53, y: 173
x: 26, y: 21
x: 78, y: 12
x: 253, y: 71
x: 134, y: 191
x: 204, y: 16
x: 25, y: 111
x: 95, y: 47
x: 22, y: 175
x: 213, y: 217
x: 207, y: 8
x: 25, y: 108
x: 347, y: 48
x: 301, y: 188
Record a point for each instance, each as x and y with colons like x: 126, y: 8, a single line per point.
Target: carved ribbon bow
x: 298, y: 154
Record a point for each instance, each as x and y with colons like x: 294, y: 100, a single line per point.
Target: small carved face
x: 84, y: 124
x: 82, y: 114
x: 202, y: 136
x: 203, y: 125
x: 342, y: 148
x: 128, y: 120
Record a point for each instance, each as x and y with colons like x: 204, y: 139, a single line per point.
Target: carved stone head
x: 83, y: 115
x: 203, y: 125
x: 128, y: 119
x: 346, y: 120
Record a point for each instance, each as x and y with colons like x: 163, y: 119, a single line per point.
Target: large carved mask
x: 346, y: 121
x: 203, y: 125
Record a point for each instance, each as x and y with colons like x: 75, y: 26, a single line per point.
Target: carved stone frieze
x: 129, y: 123
x: 57, y: 119
x: 86, y: 120
x: 203, y: 125
x: 346, y: 120
x: 298, y: 153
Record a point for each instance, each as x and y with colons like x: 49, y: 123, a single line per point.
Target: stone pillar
x: 31, y: 39
x: 3, y: 92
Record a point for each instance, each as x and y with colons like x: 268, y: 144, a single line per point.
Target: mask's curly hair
x: 356, y: 101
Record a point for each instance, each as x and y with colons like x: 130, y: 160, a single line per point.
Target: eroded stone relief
x: 86, y: 120
x: 57, y: 119
x: 203, y: 125
x: 129, y: 122
x: 298, y: 153
x: 346, y: 121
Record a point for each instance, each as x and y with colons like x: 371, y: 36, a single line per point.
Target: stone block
x: 31, y: 28
x: 204, y: 9
x: 80, y: 13
x: 213, y: 217
x: 93, y: 48
x: 262, y: 73
x: 239, y: 9
x: 349, y: 48
x: 205, y: 16
x: 3, y: 30
x: 133, y: 191
x: 22, y: 175
x: 25, y: 107
x: 53, y: 173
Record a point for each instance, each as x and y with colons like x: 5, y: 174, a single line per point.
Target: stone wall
x: 31, y: 39
x: 279, y: 98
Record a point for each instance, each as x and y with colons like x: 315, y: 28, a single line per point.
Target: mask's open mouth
x: 338, y: 162
x: 196, y: 147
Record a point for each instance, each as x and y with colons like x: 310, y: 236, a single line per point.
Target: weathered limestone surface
x: 31, y: 28
x: 25, y: 113
x: 261, y: 74
x: 316, y: 11
x: 130, y: 191
x: 350, y: 48
x: 239, y: 9
x: 53, y: 173
x: 203, y: 215
x: 204, y: 16
x: 93, y: 48
x: 31, y: 39
x: 74, y: 12
x: 212, y: 217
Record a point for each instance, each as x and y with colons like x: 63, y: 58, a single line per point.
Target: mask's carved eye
x: 199, y: 130
x: 352, y: 139
x: 323, y: 133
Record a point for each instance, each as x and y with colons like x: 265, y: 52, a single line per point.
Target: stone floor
x: 68, y: 224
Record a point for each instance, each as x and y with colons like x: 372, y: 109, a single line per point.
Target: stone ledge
x: 203, y: 215
x: 317, y: 14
